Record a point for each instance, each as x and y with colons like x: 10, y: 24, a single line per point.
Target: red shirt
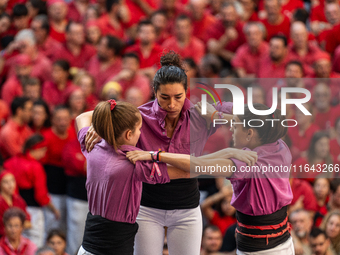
x: 56, y: 35
x: 137, y: 12
x: 324, y: 119
x: 202, y: 27
x: 50, y: 48
x: 55, y: 147
x: 309, y: 58
x: 335, y: 115
x: 53, y: 96
x: 303, y: 188
x: 282, y: 28
x: 334, y: 147
x: 302, y: 142
x: 17, y: 201
x: 91, y: 102
x: 140, y: 81
x: 11, y: 89
x: 13, y: 137
x: 336, y: 60
x: 249, y: 60
x: 102, y: 76
x: 4, y: 112
x: 153, y: 60
x: 29, y: 174
x: 107, y: 29
x: 86, y: 53
x: 333, y: 39
x: 223, y: 223
x: 317, y: 13
x: 307, y: 175
x: 290, y: 7
x: 41, y: 67
x: 73, y: 159
x: 195, y: 48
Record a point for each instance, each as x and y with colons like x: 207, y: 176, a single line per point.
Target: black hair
x: 301, y: 15
x: 69, y: 24
x: 335, y: 185
x: 295, y: 62
x: 60, y: 108
x: 145, y: 22
x: 159, y: 12
x: 5, y: 14
x: 64, y: 64
x: 312, y: 150
x: 32, y: 141
x: 110, y: 3
x: 183, y: 17
x: 115, y: 44
x: 212, y: 227
x: 316, y: 232
x: 42, y: 103
x: 131, y: 55
x: 270, y: 131
x: 281, y: 37
x: 19, y: 10
x: 1, y: 161
x: 44, y: 22
x: 337, y: 121
x: 6, y: 40
x: 56, y: 232
x: 14, y: 212
x: 31, y: 81
x: 171, y: 71
x: 18, y: 102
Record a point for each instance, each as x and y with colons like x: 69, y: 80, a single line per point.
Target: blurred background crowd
x: 60, y: 58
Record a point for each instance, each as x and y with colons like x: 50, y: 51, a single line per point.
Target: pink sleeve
x: 143, y: 171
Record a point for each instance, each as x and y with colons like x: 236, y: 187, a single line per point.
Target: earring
x: 248, y: 139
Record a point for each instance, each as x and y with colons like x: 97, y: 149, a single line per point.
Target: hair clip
x: 113, y: 103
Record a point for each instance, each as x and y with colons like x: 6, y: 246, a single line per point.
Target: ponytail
x: 110, y: 124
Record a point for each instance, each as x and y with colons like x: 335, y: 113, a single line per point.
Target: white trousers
x: 76, y: 216
x: 184, y: 232
x: 286, y: 248
x: 51, y: 222
x: 82, y: 251
x: 36, y: 232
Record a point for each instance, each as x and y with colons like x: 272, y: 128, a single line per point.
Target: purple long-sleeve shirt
x: 114, y: 184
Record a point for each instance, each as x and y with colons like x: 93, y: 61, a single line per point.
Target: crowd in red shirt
x: 60, y: 58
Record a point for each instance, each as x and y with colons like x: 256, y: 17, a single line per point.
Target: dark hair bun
x: 171, y: 58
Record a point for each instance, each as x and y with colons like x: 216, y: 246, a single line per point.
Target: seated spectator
x: 301, y: 49
x: 4, y: 113
x: 76, y: 103
x: 147, y: 50
x: 276, y: 22
x: 211, y: 240
x: 56, y: 91
x: 77, y: 10
x: 87, y: 84
x: 75, y: 50
x: 184, y: 43
x: 294, y: 73
x: 210, y: 66
x: 334, y: 197
x: 335, y: 142
x: 112, y: 90
x: 15, y: 132
x: 224, y: 215
x: 41, y: 117
x: 130, y: 76
x: 288, y: 6
x: 320, y: 242
x: 57, y: 11
x: 191, y: 68
x: 31, y: 180
x: 249, y: 10
x: 26, y: 44
x: 9, y: 198
x: 301, y: 135
x: 318, y: 154
x: 35, y: 7
x: 336, y: 62
x: 331, y: 226
x: 247, y: 57
x: 107, y: 62
x: 332, y: 13
x: 20, y: 17
x: 45, y: 43
x: 302, y: 225
x: 113, y: 22
x: 159, y: 21
x: 56, y: 239
x: 93, y: 33
x: 303, y: 196
x: 13, y: 87
x: 32, y: 89
x: 323, y: 66
x: 5, y: 24
x: 321, y: 192
x: 13, y: 242
x: 227, y: 35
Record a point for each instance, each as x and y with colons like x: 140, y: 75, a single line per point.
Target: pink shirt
x: 11, y: 89
x: 25, y: 245
x: 53, y: 96
x: 195, y: 49
x: 50, y: 48
x: 309, y: 58
x: 249, y: 60
x: 114, y: 184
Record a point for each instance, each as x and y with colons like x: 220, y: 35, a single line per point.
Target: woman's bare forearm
x: 84, y: 120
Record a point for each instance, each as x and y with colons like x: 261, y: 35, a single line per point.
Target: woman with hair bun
x: 260, y: 197
x: 167, y: 126
x: 114, y: 185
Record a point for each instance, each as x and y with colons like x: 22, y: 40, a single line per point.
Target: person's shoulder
x: 146, y: 108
